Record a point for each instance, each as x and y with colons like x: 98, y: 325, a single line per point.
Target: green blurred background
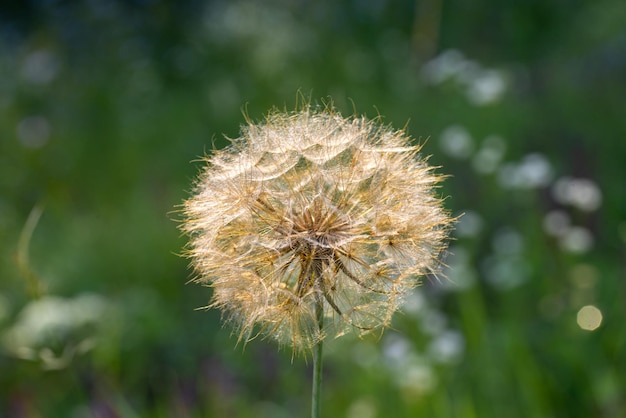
x: 105, y: 105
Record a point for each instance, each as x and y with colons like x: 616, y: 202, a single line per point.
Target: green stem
x: 317, y: 365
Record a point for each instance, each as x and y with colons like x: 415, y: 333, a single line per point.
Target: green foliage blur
x: 106, y: 106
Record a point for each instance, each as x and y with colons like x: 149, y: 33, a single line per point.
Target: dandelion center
x: 320, y: 226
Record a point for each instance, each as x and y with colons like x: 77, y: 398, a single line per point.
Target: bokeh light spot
x: 33, y: 131
x: 487, y: 88
x: 583, y: 194
x: 40, y: 67
x: 470, y: 224
x: 577, y: 240
x: 589, y: 318
x: 488, y: 158
x: 456, y: 142
x: 532, y: 172
x: 362, y: 408
x: 584, y: 276
x: 556, y: 223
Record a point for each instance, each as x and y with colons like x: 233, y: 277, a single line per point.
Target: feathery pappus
x: 310, y: 209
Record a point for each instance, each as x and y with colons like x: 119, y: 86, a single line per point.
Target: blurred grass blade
x: 34, y: 285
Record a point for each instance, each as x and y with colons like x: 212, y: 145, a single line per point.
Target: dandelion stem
x: 317, y: 364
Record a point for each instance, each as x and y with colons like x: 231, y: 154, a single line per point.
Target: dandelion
x: 311, y: 225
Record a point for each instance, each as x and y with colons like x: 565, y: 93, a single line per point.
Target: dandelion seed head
x: 310, y: 208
